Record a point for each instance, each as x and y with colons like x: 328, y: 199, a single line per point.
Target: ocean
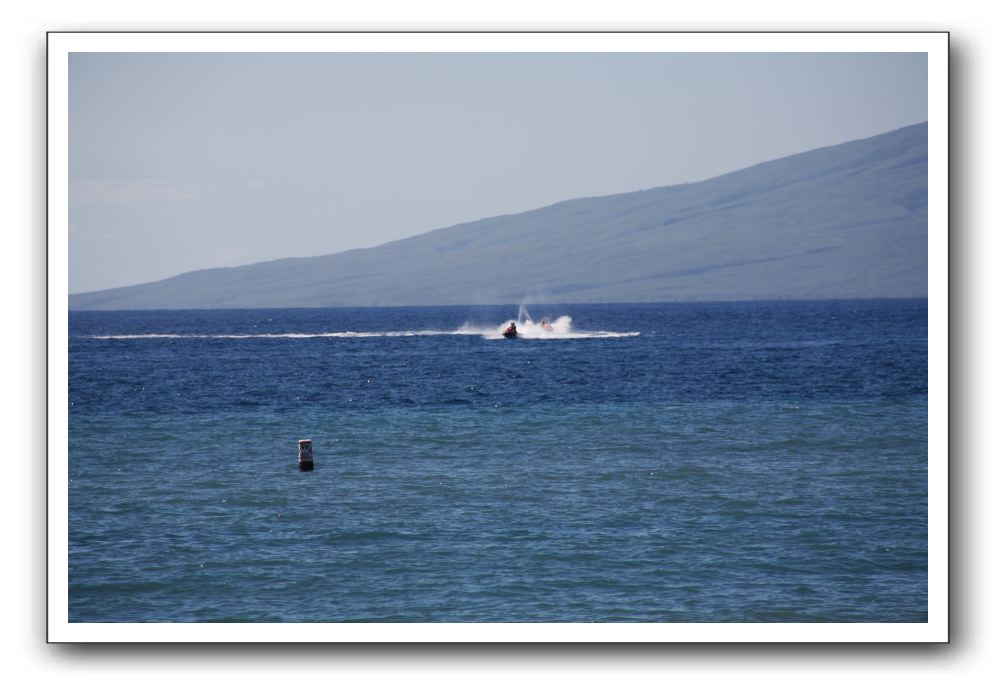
x: 674, y: 462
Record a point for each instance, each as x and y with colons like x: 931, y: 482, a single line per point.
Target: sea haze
x: 847, y: 221
x: 699, y: 462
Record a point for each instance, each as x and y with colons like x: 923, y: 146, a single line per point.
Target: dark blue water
x: 722, y: 462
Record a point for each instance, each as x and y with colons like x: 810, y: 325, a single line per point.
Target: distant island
x: 847, y: 221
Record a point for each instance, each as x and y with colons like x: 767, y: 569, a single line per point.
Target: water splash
x: 523, y: 315
x: 547, y: 328
x: 560, y: 328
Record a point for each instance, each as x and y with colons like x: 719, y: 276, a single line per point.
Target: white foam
x: 561, y: 328
x: 271, y: 336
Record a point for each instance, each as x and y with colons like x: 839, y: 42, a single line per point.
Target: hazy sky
x: 186, y: 161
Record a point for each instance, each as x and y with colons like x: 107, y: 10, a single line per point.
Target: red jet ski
x: 510, y: 332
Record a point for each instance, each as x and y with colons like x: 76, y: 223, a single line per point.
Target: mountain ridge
x: 846, y: 220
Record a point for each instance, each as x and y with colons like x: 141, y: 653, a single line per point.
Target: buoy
x: 305, y: 458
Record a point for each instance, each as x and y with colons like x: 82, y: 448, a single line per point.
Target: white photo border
x: 934, y: 44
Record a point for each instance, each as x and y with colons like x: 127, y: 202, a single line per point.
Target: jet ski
x: 510, y: 332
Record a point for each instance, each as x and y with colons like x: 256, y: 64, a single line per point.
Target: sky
x: 184, y: 161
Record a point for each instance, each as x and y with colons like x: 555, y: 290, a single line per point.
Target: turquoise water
x: 761, y: 462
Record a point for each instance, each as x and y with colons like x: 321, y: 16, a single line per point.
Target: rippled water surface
x: 761, y: 462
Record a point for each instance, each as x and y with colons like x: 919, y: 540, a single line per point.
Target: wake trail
x: 561, y: 328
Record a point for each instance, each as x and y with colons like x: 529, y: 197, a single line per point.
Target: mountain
x: 847, y: 221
